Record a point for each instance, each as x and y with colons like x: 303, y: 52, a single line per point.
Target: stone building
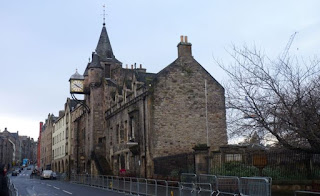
x: 35, y: 153
x: 6, y: 152
x: 130, y: 116
x: 46, y: 142
x: 61, y: 139
x: 14, y: 139
x: 27, y: 148
x: 59, y: 143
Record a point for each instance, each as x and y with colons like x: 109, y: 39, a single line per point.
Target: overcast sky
x: 42, y: 43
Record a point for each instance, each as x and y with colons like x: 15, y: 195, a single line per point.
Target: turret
x: 95, y: 71
x: 86, y: 80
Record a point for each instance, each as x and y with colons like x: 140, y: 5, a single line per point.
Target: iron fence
x: 278, y: 165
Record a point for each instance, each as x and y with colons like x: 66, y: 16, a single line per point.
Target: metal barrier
x: 255, y: 186
x: 228, y: 185
x: 173, y: 188
x: 207, y: 184
x: 306, y: 192
x: 13, y: 191
x: 190, y: 185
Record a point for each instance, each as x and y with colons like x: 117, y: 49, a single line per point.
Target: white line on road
x: 67, y: 192
x: 56, y: 187
x: 48, y: 185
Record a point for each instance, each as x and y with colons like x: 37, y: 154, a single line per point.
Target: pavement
x: 37, y: 187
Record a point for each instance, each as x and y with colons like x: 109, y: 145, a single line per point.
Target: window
x: 121, y: 133
x: 110, y: 133
x: 117, y: 133
x: 128, y: 161
x: 233, y: 157
x: 132, y: 126
x: 125, y: 131
x: 102, y: 140
x: 107, y: 71
x: 121, y: 162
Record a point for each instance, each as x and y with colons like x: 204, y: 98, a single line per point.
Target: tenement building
x: 61, y: 139
x: 130, y: 117
x: 46, y: 142
x: 13, y: 138
x: 6, y: 152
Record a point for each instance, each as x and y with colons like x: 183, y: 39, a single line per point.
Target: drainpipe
x: 145, y: 135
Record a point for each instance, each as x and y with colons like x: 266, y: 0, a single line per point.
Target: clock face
x: 76, y: 86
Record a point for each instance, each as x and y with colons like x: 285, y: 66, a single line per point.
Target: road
x: 37, y: 187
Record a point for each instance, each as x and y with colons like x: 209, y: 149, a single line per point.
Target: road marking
x: 67, y: 192
x: 56, y: 187
x: 48, y: 185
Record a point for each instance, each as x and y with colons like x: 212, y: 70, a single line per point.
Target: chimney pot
x: 184, y: 48
x: 131, y: 66
x: 135, y: 65
x: 181, y: 38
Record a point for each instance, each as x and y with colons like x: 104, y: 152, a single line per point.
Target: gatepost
x: 201, y: 154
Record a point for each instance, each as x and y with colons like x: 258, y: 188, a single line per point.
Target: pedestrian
x: 122, y: 172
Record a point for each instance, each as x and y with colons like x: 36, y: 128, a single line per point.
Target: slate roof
x: 77, y: 76
x: 72, y: 104
x: 86, y: 71
x: 95, y: 63
x: 104, y: 49
x: 145, y: 77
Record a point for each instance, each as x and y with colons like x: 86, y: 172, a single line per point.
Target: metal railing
x: 190, y: 185
x: 306, y: 192
x: 13, y: 191
x: 255, y: 186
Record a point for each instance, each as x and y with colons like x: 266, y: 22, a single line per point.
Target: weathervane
x: 104, y: 14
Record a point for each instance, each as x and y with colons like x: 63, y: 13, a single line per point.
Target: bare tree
x: 278, y: 99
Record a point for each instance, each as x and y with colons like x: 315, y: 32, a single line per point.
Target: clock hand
x: 78, y: 86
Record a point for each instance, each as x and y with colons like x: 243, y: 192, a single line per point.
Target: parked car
x: 15, y: 173
x: 53, y: 175
x: 46, y: 174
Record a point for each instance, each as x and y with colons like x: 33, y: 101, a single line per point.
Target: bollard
x: 171, y: 193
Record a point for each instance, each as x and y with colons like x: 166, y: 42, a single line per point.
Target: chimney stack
x: 184, y: 47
